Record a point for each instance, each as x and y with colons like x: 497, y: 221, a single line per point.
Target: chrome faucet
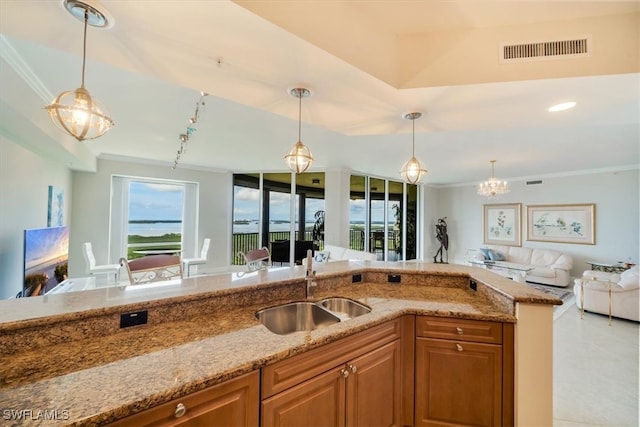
x: 310, y: 284
x: 310, y: 277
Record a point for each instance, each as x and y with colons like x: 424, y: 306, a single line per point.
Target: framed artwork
x: 55, y: 207
x: 501, y: 224
x: 562, y: 223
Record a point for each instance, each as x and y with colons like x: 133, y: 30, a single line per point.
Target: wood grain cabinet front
x: 232, y: 403
x: 464, y: 377
x: 361, y: 387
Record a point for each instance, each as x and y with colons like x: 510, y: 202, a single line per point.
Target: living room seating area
x: 607, y: 293
x: 549, y: 267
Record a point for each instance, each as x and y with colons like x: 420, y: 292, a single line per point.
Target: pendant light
x: 413, y: 170
x: 493, y: 187
x: 75, y: 111
x: 299, y: 158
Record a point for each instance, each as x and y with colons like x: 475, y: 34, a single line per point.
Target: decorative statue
x: 443, y: 238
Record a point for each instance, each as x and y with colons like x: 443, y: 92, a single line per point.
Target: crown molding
x: 612, y: 169
x: 11, y: 56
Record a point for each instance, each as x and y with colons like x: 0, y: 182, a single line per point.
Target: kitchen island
x: 69, y: 353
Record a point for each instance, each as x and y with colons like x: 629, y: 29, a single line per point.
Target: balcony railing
x: 243, y: 242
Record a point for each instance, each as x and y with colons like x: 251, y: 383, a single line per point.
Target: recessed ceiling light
x: 561, y: 107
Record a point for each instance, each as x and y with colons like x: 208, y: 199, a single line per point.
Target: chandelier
x: 299, y: 158
x: 413, y: 170
x: 75, y: 111
x: 493, y: 187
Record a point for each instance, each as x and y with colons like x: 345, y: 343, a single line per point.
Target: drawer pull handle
x: 344, y: 373
x: 180, y: 410
x: 353, y: 369
x: 459, y: 331
x: 459, y: 347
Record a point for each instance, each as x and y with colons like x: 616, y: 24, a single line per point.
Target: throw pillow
x: 322, y: 256
x: 495, y: 255
x: 629, y: 279
x: 485, y: 252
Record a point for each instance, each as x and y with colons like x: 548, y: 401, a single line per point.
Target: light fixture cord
x: 299, y: 115
x: 413, y: 137
x: 84, y: 44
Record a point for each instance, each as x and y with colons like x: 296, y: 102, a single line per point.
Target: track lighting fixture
x: 191, y: 128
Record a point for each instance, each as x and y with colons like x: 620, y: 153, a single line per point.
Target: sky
x: 156, y: 201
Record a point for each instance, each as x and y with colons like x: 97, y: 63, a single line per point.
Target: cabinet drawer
x: 294, y: 370
x: 234, y: 402
x: 459, y: 329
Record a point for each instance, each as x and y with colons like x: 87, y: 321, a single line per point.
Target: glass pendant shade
x: 75, y: 111
x: 299, y: 158
x: 80, y: 115
x: 493, y: 187
x: 413, y: 171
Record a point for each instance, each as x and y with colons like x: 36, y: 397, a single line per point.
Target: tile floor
x: 595, y: 378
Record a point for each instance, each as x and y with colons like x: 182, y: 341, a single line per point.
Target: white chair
x: 188, y: 262
x: 93, y: 269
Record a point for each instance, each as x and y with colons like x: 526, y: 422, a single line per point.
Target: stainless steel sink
x: 296, y: 316
x: 345, y: 307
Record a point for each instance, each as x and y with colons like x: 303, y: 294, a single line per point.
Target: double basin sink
x: 307, y: 315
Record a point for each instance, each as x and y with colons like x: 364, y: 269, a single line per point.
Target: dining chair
x: 152, y: 268
x: 188, y: 262
x: 257, y: 259
x: 93, y: 269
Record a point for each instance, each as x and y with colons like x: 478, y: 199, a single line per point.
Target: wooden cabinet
x: 464, y: 373
x: 356, y: 381
x: 232, y: 403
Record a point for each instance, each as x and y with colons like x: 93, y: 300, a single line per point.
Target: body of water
x: 155, y: 228
x: 162, y: 228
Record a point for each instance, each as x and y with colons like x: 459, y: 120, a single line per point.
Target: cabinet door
x: 232, y: 403
x: 458, y: 383
x: 318, y: 401
x: 374, y: 388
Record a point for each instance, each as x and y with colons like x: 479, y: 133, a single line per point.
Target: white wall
x: 25, y: 179
x: 91, y: 212
x: 617, y: 214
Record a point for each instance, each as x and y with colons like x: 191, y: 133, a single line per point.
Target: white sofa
x: 625, y: 293
x: 549, y: 267
x: 335, y: 253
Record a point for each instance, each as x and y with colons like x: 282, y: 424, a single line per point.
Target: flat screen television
x: 46, y: 256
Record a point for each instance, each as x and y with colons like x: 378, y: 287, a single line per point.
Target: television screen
x: 46, y: 256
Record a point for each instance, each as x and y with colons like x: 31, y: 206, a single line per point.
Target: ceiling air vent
x: 555, y: 49
x: 536, y: 182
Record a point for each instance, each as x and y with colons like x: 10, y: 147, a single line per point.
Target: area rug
x: 565, y: 294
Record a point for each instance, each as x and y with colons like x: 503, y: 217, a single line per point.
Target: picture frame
x: 55, y: 207
x: 501, y: 224
x: 562, y: 223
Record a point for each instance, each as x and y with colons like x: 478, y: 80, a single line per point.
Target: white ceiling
x: 367, y: 63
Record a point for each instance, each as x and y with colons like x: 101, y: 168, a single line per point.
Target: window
x: 264, y: 212
x: 380, y: 212
x: 150, y: 216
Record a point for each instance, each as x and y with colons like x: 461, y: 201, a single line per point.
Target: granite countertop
x: 147, y: 365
